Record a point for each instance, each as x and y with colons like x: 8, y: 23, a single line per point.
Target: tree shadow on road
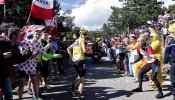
x: 58, y: 92
x: 25, y: 98
x: 166, y: 88
x: 168, y: 94
x: 90, y: 93
x: 120, y: 93
x: 62, y: 94
x: 103, y: 70
x: 89, y: 82
x: 103, y: 93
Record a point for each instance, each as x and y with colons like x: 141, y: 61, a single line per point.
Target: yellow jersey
x: 78, y: 53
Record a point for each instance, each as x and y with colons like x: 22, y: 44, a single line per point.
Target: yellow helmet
x: 151, y: 30
x: 65, y: 39
x: 98, y: 39
x: 83, y: 30
x: 153, y: 34
x: 171, y: 27
x: 74, y: 36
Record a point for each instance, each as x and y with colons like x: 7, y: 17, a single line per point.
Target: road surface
x: 102, y: 83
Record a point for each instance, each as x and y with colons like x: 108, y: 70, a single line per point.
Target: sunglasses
x: 84, y: 34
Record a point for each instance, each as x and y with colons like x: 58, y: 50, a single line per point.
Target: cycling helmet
x: 98, y: 39
x: 83, y: 31
x: 171, y: 27
x: 65, y: 39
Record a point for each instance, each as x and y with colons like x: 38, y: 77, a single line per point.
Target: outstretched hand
x: 34, y: 54
x: 132, y: 63
x: 60, y: 56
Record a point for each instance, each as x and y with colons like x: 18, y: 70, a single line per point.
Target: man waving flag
x: 42, y: 9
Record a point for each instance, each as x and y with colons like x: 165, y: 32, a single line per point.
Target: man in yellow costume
x: 153, y: 65
x: 156, y: 46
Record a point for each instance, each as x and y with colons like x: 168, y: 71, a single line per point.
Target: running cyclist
x: 78, y: 58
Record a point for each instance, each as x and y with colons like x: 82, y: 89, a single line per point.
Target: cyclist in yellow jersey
x: 78, y: 53
x: 78, y: 58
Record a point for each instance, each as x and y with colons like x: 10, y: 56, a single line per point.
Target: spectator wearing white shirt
x: 164, y: 32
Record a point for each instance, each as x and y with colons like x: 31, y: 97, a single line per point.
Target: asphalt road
x: 102, y: 83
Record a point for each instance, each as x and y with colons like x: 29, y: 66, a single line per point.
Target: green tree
x: 69, y: 20
x: 76, y: 31
x: 115, y: 20
x: 17, y: 11
x: 142, y: 11
x: 65, y: 21
x: 106, y: 30
x: 172, y: 8
x: 133, y: 14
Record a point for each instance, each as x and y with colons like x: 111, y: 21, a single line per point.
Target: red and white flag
x: 42, y: 9
x: 52, y: 22
x: 2, y: 1
x: 52, y: 25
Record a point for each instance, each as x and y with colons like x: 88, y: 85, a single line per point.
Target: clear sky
x: 92, y: 14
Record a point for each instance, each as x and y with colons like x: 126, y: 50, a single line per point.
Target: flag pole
x: 30, y: 13
x: 28, y: 18
x: 4, y: 11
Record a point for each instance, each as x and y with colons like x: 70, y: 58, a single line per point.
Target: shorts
x: 45, y: 69
x: 80, y: 68
x: 23, y: 74
x: 164, y: 36
x: 39, y: 67
x: 121, y: 56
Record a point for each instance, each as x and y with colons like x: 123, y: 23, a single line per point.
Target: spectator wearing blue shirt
x: 170, y: 56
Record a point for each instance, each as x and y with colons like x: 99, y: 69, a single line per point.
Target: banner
x: 2, y: 1
x: 42, y: 9
x: 27, y: 31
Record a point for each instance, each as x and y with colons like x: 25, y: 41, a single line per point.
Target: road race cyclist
x: 78, y: 58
